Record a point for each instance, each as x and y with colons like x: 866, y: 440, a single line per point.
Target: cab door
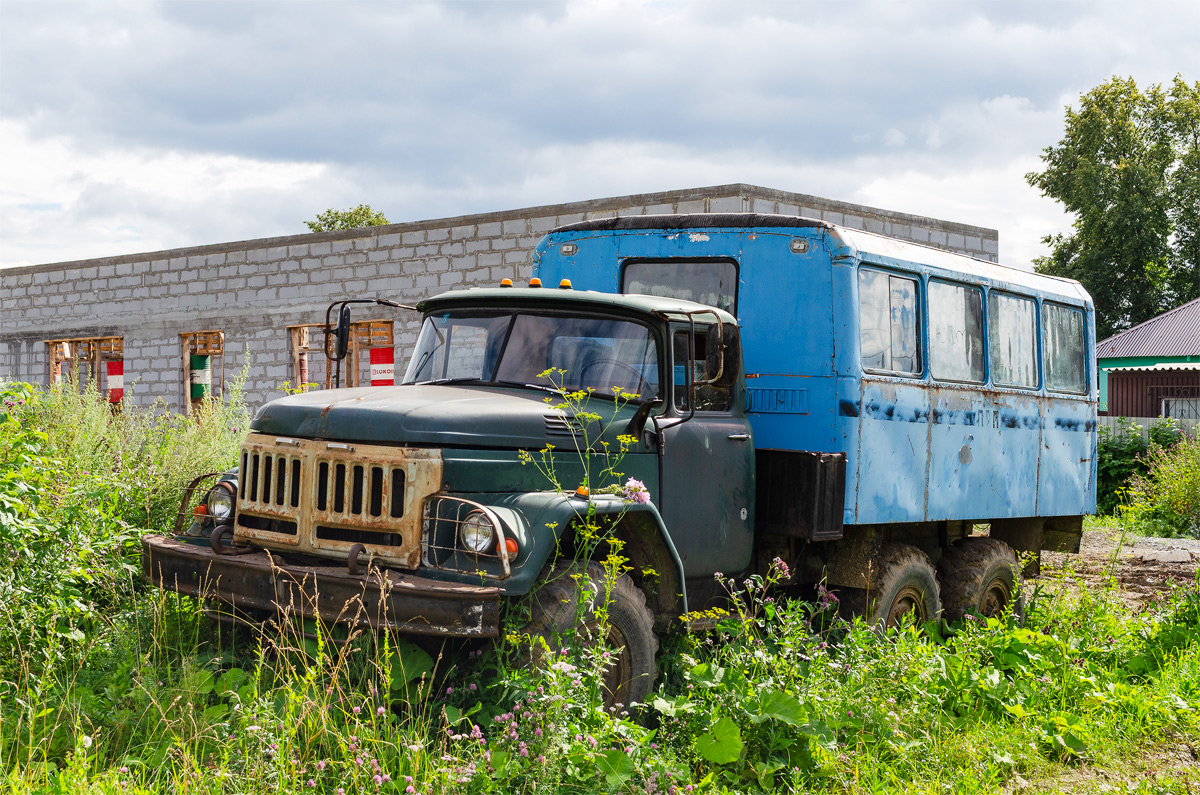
x: 707, y: 492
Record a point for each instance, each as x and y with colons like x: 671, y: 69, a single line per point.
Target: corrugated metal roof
x: 1161, y: 366
x: 1175, y: 332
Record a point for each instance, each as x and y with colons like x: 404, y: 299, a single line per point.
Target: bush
x: 80, y: 483
x: 1165, y: 501
x: 1122, y: 454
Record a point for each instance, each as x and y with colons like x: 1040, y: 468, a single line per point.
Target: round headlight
x: 477, y: 532
x: 220, y: 503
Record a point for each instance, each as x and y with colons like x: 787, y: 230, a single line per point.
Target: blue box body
x: 917, y: 449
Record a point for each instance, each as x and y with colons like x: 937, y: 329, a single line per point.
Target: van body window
x: 712, y: 282
x: 1062, y: 341
x: 1012, y: 340
x: 888, y: 322
x: 956, y: 332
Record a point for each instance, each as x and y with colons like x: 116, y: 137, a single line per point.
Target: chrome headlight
x: 220, y: 503
x: 477, y: 532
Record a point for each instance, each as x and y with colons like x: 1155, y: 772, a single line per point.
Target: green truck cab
x: 419, y: 507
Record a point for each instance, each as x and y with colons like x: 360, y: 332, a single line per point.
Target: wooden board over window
x: 309, y: 338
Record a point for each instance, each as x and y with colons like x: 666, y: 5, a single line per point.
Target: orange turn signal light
x: 510, y: 545
x: 200, y: 510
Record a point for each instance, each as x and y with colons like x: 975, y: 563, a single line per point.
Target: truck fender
x: 656, y: 566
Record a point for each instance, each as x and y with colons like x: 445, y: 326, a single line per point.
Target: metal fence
x: 1143, y: 424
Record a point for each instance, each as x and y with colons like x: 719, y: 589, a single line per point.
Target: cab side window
x: 708, y: 396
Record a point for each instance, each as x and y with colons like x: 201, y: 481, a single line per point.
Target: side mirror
x: 722, y: 354
x: 342, y: 344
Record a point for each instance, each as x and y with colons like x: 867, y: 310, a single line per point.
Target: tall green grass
x: 109, y: 686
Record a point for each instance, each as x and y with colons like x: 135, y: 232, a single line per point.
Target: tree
x: 1128, y: 168
x: 354, y: 218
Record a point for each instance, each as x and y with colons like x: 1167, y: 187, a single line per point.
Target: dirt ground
x: 1145, y: 568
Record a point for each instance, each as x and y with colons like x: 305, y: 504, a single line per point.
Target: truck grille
x: 271, y: 482
x: 325, y: 497
x: 352, y: 491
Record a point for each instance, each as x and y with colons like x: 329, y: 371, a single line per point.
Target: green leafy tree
x: 354, y: 218
x: 1128, y: 168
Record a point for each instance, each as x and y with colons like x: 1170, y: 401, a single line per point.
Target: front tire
x: 565, y: 610
x: 980, y: 576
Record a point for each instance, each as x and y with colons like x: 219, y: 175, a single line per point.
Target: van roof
x: 868, y: 246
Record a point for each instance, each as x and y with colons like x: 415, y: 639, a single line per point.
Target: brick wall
x: 252, y: 290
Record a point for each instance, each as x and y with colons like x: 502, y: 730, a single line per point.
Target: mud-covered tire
x: 980, y: 576
x: 903, y: 581
x: 564, y: 610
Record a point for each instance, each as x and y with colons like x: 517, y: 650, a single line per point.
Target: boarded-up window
x: 955, y: 332
x: 1012, y: 340
x: 888, y: 322
x: 1063, y: 350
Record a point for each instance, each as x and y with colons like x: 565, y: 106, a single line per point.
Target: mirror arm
x: 343, y: 305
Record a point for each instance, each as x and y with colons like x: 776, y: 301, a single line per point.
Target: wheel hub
x: 994, y: 599
x: 908, y: 600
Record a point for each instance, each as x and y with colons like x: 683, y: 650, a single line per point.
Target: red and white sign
x: 383, y: 367
x: 116, y: 381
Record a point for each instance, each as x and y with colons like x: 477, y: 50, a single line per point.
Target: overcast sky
x: 134, y: 126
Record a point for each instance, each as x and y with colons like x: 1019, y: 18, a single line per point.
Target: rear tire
x: 903, y: 582
x: 980, y: 576
x: 567, y: 604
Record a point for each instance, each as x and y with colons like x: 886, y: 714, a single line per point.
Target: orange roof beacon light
x: 565, y: 284
x: 506, y: 282
x: 582, y: 492
x: 535, y: 282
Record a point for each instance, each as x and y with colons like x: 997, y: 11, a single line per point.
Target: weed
x: 109, y: 686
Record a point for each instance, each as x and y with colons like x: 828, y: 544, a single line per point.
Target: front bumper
x: 379, y: 599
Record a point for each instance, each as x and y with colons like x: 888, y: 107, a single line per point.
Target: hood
x: 432, y: 415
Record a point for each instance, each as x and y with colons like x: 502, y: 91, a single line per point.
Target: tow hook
x: 352, y: 561
x: 216, y: 539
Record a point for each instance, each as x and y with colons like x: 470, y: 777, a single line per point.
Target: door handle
x: 740, y: 437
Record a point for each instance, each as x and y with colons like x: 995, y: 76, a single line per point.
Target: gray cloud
x: 445, y: 108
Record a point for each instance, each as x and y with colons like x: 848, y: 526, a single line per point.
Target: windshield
x: 517, y: 348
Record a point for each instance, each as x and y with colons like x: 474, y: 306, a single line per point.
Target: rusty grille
x: 271, y: 482
x: 353, y: 492
x: 326, y: 497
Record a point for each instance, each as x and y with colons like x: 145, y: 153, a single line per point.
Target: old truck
x: 854, y: 405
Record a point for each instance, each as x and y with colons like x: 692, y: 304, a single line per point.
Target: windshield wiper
x: 542, y: 387
x: 628, y: 399
x: 442, y: 381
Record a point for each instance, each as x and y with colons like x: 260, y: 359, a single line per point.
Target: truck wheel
x: 980, y: 575
x: 903, y: 582
x: 629, y: 635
